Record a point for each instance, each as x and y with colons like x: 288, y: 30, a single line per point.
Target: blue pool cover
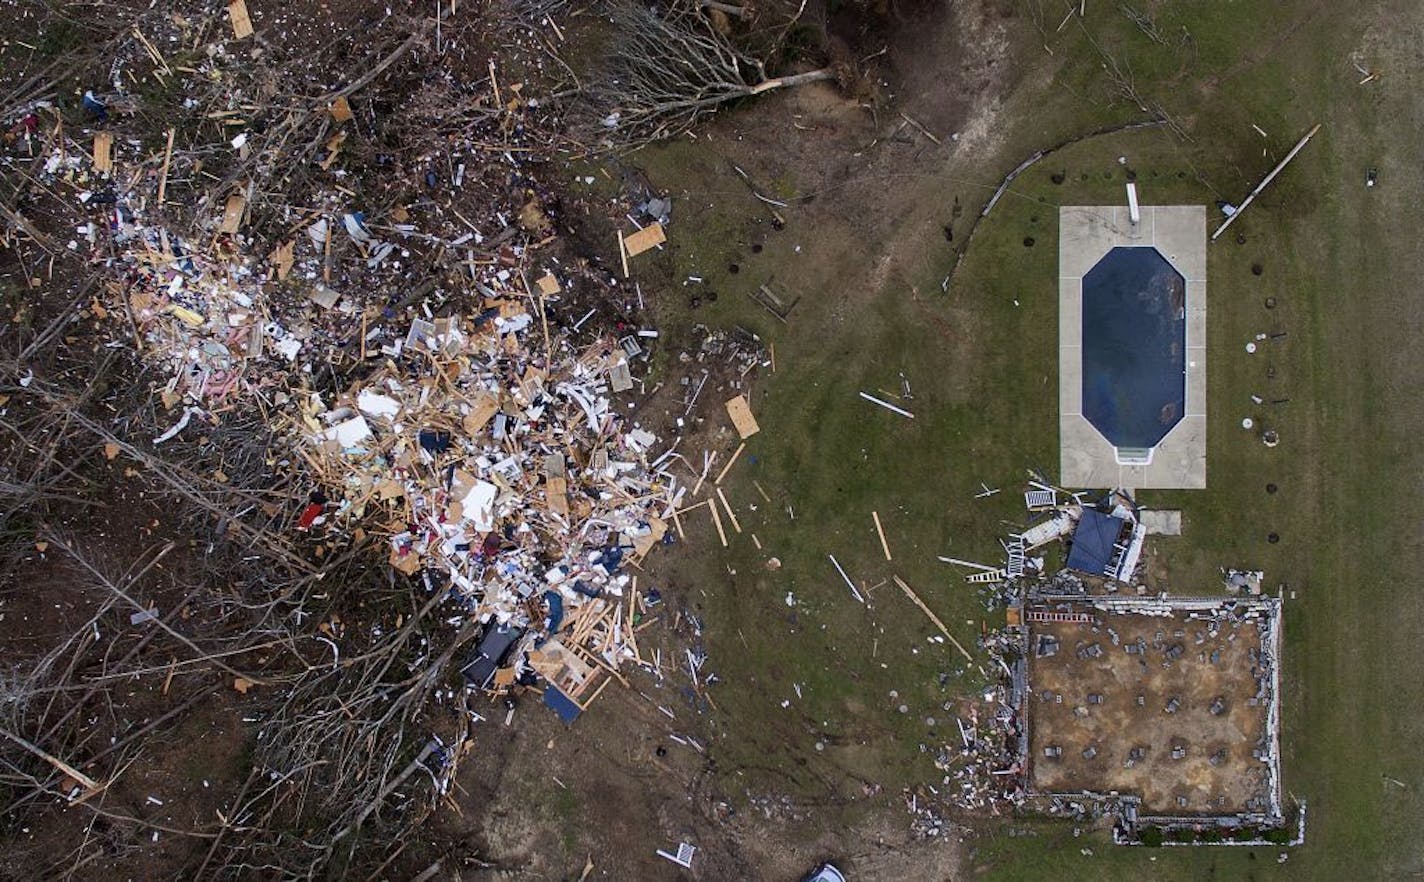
x: 1134, y: 347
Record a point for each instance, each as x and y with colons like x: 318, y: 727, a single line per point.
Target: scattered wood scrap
x: 232, y: 214
x: 875, y: 515
x: 741, y: 413
x: 932, y: 617
x: 104, y: 152
x: 241, y: 24
x: 648, y: 237
x: 340, y: 110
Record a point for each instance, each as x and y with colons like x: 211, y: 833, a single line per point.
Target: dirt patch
x: 1134, y: 692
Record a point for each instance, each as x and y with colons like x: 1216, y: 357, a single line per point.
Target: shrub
x: 1151, y: 836
x: 1279, y: 836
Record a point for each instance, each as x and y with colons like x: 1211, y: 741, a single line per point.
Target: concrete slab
x: 1086, y: 234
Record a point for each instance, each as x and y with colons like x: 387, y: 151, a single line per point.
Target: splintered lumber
x: 167, y: 158
x: 722, y: 474
x: 849, y: 583
x: 340, y: 109
x: 1270, y: 177
x: 761, y: 491
x: 623, y: 253
x: 232, y: 214
x: 241, y: 24
x: 650, y: 236
x: 933, y: 618
x: 728, y: 506
x: 883, y: 544
x: 887, y: 405
x: 104, y: 152
x: 741, y: 413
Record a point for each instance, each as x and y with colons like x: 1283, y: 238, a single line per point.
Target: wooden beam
x: 933, y: 618
x: 883, y: 544
x: 722, y: 474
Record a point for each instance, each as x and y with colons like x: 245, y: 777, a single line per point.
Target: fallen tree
x: 666, y: 70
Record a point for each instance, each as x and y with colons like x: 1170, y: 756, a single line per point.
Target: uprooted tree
x: 667, y: 69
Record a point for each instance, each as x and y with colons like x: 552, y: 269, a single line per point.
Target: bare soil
x: 1135, y: 689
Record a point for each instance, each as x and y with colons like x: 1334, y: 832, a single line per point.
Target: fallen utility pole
x: 1261, y: 186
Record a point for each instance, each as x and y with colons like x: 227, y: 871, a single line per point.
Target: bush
x: 1151, y: 837
x: 1244, y: 834
x: 1210, y: 835
x: 1182, y: 835
x: 1278, y: 836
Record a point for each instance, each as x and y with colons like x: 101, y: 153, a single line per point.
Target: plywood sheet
x: 650, y: 236
x: 741, y: 413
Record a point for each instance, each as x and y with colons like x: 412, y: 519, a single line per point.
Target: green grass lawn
x: 1339, y: 262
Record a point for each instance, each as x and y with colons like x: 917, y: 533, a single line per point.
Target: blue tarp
x: 1093, y: 542
x: 561, y: 704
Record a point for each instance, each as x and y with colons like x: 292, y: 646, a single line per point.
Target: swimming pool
x: 1134, y: 348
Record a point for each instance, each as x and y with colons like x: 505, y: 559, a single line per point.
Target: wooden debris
x: 722, y: 474
x: 648, y: 237
x: 728, y: 506
x: 282, y: 258
x: 232, y: 214
x: 241, y: 24
x: 104, y: 152
x: 741, y: 413
x: 340, y: 110
x: 717, y: 521
x: 932, y: 617
x: 879, y: 530
x: 167, y: 158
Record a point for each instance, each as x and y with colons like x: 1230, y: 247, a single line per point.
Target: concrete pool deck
x: 1086, y: 233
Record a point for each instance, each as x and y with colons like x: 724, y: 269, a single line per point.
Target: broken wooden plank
x: 167, y: 158
x: 232, y: 214
x: 722, y: 474
x: 717, y: 521
x: 932, y: 617
x: 340, y: 110
x: 741, y: 413
x: 241, y: 23
x: 282, y: 258
x: 875, y: 515
x: 104, y: 152
x: 728, y: 506
x: 648, y: 237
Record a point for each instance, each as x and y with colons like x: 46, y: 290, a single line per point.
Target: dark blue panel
x: 1134, y: 346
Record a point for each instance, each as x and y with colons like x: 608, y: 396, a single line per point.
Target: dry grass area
x: 1217, y: 773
